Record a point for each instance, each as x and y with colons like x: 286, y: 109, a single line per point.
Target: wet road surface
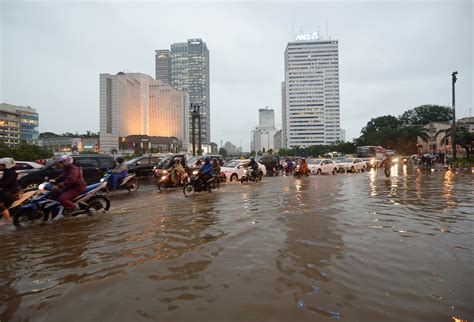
x: 354, y: 247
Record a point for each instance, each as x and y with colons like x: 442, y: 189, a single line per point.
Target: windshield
x: 165, y: 163
x: 343, y: 160
x: 193, y: 160
x: 129, y: 162
x: 232, y: 164
x: 314, y: 161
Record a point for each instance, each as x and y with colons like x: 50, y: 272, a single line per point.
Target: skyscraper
x: 262, y: 137
x: 311, y: 92
x: 189, y: 63
x: 163, y: 65
x: 136, y: 104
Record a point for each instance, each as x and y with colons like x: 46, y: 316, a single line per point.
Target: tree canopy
x: 425, y: 114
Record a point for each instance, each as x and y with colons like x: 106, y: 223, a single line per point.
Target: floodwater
x: 354, y: 247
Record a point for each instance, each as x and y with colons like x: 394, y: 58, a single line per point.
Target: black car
x: 271, y: 163
x: 143, y: 166
x: 94, y: 166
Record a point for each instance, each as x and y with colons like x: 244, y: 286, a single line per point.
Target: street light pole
x: 453, y: 134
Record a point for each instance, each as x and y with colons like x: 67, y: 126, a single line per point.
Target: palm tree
x: 410, y: 135
x: 463, y: 137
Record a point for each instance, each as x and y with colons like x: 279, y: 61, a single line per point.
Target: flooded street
x: 354, y: 247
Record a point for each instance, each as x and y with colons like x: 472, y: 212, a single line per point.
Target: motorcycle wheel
x: 244, y: 180
x: 152, y: 177
x: 97, y: 204
x: 21, y: 215
x: 133, y: 185
x: 161, y: 186
x: 215, y: 185
x: 258, y: 178
x: 189, y: 189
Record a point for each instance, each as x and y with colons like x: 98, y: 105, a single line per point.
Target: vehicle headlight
x: 102, y: 180
x: 41, y: 187
x: 165, y: 171
x: 372, y: 161
x: 395, y: 160
x: 195, y: 172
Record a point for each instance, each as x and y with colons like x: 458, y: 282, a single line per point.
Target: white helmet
x: 65, y: 159
x: 8, y: 162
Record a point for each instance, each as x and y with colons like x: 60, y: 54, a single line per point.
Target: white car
x: 234, y: 169
x: 320, y: 166
x: 352, y: 165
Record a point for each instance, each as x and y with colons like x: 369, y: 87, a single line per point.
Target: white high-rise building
x: 310, y: 92
x: 136, y: 104
x: 262, y: 137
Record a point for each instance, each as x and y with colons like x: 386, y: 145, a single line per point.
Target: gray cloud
x: 393, y: 56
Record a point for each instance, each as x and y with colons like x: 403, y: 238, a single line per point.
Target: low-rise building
x: 140, y: 144
x: 18, y: 124
x: 63, y: 144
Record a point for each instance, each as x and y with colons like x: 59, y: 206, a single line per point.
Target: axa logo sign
x: 313, y: 36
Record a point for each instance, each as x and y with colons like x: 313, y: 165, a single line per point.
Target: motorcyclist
x: 9, y: 188
x: 177, y: 172
x: 289, y: 166
x: 303, y: 170
x: 254, y: 166
x: 205, y: 173
x: 70, y: 184
x: 216, y: 167
x: 120, y: 172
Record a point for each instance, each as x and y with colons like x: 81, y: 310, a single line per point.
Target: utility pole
x: 195, y: 114
x: 453, y: 134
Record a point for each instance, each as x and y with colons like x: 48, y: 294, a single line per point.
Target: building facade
x: 263, y: 135
x: 61, y: 144
x: 311, y: 92
x: 18, y: 124
x: 189, y: 63
x: 136, y: 104
x: 277, y: 140
x: 163, y: 65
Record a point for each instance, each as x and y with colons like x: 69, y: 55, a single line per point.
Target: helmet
x: 120, y: 160
x: 65, y: 159
x: 207, y: 159
x: 252, y: 159
x: 8, y: 162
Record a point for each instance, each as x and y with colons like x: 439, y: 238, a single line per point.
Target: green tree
x: 223, y: 152
x: 381, y: 131
x: 463, y: 137
x: 425, y: 114
x: 253, y: 153
x: 407, y: 138
x: 270, y: 152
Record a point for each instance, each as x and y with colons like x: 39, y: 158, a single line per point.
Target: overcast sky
x: 393, y: 56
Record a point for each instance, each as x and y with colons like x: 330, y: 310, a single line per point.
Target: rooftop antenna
x: 327, y: 30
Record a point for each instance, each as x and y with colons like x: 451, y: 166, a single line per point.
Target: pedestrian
x: 9, y: 188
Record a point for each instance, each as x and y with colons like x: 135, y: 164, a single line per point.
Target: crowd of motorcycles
x: 39, y: 204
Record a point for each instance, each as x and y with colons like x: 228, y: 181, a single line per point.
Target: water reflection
x: 354, y: 247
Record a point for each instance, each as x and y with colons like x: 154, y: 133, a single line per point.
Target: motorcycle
x: 166, y: 181
x: 129, y: 183
x: 195, y: 184
x: 42, y: 205
x: 221, y: 177
x: 250, y: 175
x: 298, y: 172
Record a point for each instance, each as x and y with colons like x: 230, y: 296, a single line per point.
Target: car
x: 167, y: 162
x: 94, y: 166
x: 272, y: 163
x: 320, y: 166
x: 143, y: 166
x: 234, y: 169
x: 197, y: 161
x: 22, y: 167
x: 352, y: 165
